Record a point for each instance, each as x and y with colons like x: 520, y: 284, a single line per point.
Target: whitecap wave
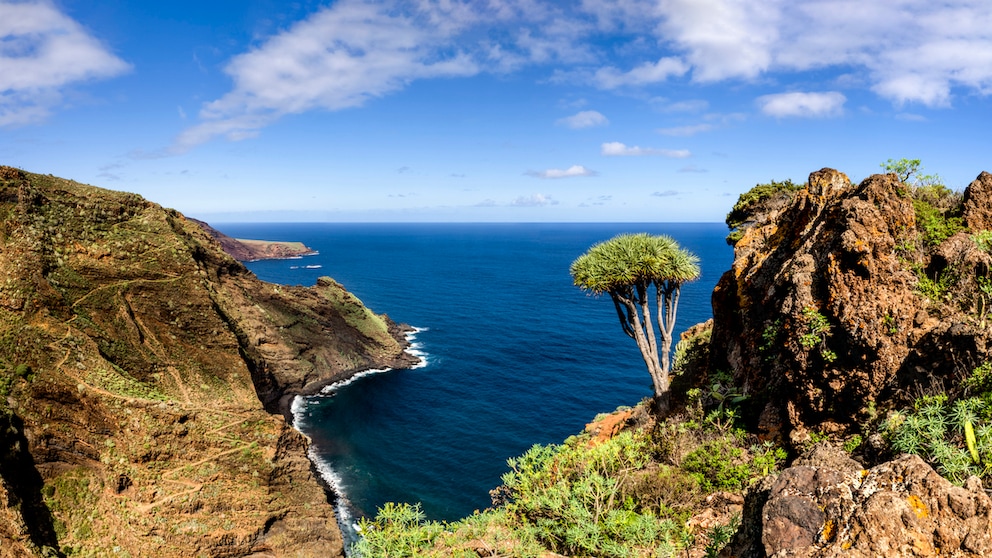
x: 416, y: 349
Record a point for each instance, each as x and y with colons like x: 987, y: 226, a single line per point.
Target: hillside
x: 145, y: 381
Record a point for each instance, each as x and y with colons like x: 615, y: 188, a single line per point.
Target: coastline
x: 325, y: 474
x: 248, y: 250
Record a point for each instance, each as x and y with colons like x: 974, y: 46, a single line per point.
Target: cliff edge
x: 852, y: 298
x: 145, y: 381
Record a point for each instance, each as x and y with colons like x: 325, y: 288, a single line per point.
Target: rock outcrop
x: 827, y: 505
x: 823, y: 312
x: 145, y: 380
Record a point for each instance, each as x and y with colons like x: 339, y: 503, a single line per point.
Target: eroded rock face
x: 145, y: 377
x: 819, y: 314
x: 831, y: 508
x: 978, y: 203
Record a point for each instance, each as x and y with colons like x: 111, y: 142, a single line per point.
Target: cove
x: 515, y: 355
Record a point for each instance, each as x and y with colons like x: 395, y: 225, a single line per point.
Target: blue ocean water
x: 515, y: 354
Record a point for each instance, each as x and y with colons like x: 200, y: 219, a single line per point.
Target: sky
x: 488, y: 110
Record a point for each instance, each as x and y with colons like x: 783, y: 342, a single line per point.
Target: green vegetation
x: 721, y: 465
x: 853, y: 443
x: 9, y: 376
x: 749, y: 202
x: 628, y: 496
x: 71, y: 497
x: 626, y: 267
x: 938, y: 288
x: 910, y: 172
x: 983, y: 239
x: 953, y: 435
x: 816, y: 334
x: 937, y: 207
x: 937, y: 224
x: 691, y: 352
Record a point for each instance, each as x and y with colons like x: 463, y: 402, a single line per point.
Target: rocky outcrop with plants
x: 145, y: 380
x: 859, y: 315
x: 851, y: 296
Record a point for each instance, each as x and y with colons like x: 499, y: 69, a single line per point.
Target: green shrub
x: 817, y: 328
x: 980, y: 379
x: 816, y: 334
x: 692, y: 352
x: 936, y: 225
x: 750, y: 201
x: 956, y: 438
x: 718, y: 465
x: 719, y: 536
x: 572, y: 498
x: 983, y: 239
x: 398, y: 530
x: 8, y: 377
x: 937, y: 289
x: 853, y: 443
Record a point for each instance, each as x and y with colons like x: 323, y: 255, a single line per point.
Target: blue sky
x: 490, y: 110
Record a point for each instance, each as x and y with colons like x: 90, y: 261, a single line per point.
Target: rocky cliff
x: 847, y: 304
x: 145, y: 380
x: 841, y: 300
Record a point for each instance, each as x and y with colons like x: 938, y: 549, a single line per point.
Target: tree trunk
x: 635, y: 324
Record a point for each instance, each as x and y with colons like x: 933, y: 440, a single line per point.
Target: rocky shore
x: 146, y: 383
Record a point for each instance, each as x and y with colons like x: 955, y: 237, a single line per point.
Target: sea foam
x: 343, y: 508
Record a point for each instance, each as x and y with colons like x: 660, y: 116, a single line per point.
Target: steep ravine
x: 145, y: 381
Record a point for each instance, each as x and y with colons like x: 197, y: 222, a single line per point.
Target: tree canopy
x: 625, y: 267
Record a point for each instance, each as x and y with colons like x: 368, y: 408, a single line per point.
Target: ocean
x: 513, y: 354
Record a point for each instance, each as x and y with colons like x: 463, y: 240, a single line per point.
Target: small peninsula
x: 247, y: 250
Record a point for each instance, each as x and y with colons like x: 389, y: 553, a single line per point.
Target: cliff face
x: 825, y: 310
x: 144, y: 380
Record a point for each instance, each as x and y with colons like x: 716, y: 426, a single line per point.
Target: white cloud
x: 340, y: 57
x: 41, y: 52
x: 910, y: 51
x: 584, y: 119
x: 666, y: 193
x: 535, y: 200
x: 907, y: 51
x: 647, y: 73
x: 722, y: 38
x: 617, y: 149
x: 570, y: 172
x: 693, y: 105
x: 911, y: 117
x: 685, y: 131
x: 810, y: 105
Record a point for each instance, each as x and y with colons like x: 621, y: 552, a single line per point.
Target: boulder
x: 830, y: 507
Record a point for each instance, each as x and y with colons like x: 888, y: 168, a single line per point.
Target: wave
x: 343, y: 509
